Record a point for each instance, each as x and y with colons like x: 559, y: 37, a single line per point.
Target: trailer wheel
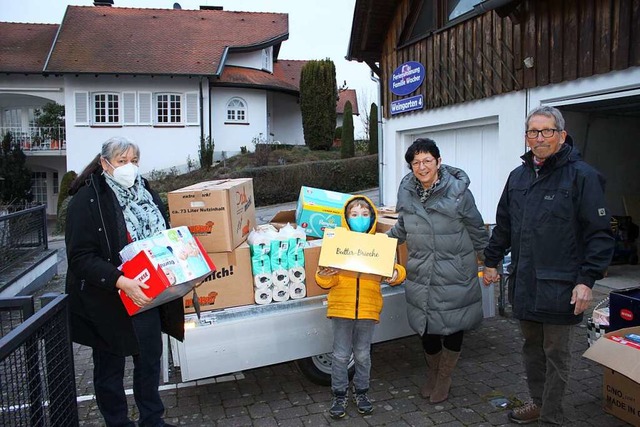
x: 318, y: 368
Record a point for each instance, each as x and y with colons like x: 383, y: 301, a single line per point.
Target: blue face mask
x: 359, y: 223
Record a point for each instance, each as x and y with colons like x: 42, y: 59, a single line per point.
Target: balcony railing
x: 37, y: 138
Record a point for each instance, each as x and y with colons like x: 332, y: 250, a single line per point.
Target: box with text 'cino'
x: 220, y: 213
x: 621, y: 380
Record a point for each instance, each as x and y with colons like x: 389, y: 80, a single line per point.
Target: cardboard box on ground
x: 621, y: 380
x: 219, y: 213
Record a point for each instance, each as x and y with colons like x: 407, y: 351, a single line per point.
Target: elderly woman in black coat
x: 113, y: 205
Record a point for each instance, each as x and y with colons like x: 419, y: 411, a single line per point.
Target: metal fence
x: 22, y: 234
x: 37, y: 381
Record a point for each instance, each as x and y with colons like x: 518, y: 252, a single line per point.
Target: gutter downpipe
x: 376, y: 79
x: 202, y: 110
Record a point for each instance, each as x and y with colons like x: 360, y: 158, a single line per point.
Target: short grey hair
x: 117, y: 145
x: 547, y: 111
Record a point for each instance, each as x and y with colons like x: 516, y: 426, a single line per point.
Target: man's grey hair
x: 117, y: 145
x: 547, y: 111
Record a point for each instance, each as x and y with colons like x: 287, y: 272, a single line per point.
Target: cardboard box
x: 319, y: 209
x: 311, y: 257
x: 220, y: 213
x: 621, y: 391
x: 624, y: 308
x: 360, y: 252
x: 230, y: 285
x: 384, y: 224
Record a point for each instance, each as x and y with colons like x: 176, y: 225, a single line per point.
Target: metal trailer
x: 241, y: 338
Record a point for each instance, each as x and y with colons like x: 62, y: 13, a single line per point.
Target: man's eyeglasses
x: 547, y: 133
x: 426, y: 162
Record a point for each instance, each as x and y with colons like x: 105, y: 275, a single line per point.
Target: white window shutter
x: 144, y: 109
x: 81, y: 108
x: 192, y: 108
x: 128, y: 108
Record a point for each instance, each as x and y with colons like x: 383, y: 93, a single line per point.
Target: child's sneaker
x: 362, y: 401
x: 338, y: 405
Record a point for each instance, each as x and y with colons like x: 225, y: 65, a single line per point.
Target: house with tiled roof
x: 345, y: 95
x: 163, y: 77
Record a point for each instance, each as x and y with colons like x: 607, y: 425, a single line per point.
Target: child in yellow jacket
x: 354, y: 305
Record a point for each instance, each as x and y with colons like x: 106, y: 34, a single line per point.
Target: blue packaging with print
x: 319, y: 209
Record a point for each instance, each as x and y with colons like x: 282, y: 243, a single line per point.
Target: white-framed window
x: 168, y: 108
x: 56, y: 184
x: 237, y: 110
x: 106, y: 108
x: 39, y: 187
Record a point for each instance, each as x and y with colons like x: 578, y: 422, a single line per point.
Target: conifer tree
x: 373, y: 129
x: 318, y: 97
x: 347, y: 147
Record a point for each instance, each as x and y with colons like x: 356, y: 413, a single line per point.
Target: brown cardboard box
x: 231, y: 285
x: 384, y: 224
x: 220, y: 213
x: 311, y: 256
x: 621, y: 388
x: 359, y: 252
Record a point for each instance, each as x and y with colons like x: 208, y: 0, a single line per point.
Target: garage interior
x: 606, y: 132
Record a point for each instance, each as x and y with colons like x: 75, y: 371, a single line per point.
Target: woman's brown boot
x: 448, y: 362
x: 433, y: 361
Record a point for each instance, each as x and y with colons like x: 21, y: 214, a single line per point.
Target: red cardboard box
x: 142, y: 268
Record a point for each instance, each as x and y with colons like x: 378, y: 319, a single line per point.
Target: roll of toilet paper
x: 262, y: 280
x: 296, y: 274
x: 263, y: 296
x: 280, y: 277
x: 297, y: 290
x: 280, y: 293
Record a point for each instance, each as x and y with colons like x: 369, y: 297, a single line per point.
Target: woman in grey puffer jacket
x: 445, y: 234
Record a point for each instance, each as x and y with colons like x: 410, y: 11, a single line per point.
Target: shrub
x: 206, y: 152
x: 347, y: 149
x: 65, y: 183
x: 281, y: 184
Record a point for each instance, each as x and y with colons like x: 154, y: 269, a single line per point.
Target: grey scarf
x: 141, y: 215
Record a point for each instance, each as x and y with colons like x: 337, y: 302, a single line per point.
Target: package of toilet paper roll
x: 277, y: 262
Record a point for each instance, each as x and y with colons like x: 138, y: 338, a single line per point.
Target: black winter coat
x: 559, y: 233
x: 95, y: 233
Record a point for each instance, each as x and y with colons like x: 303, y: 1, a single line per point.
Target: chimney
x: 107, y: 3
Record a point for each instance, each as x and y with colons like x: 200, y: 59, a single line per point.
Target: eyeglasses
x: 546, y: 133
x: 425, y: 162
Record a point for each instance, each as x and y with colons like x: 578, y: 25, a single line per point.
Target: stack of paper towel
x: 277, y: 262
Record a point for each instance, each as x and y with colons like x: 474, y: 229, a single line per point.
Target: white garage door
x: 473, y: 149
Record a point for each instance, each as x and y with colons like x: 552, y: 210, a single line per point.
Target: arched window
x: 237, y: 110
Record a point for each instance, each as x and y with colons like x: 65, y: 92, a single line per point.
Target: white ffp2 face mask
x: 125, y: 175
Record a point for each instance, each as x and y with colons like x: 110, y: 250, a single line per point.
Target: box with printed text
x: 171, y: 263
x: 319, y: 209
x: 220, y: 213
x: 230, y: 285
x: 621, y: 381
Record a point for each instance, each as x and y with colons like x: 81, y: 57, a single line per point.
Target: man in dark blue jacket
x: 552, y: 217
